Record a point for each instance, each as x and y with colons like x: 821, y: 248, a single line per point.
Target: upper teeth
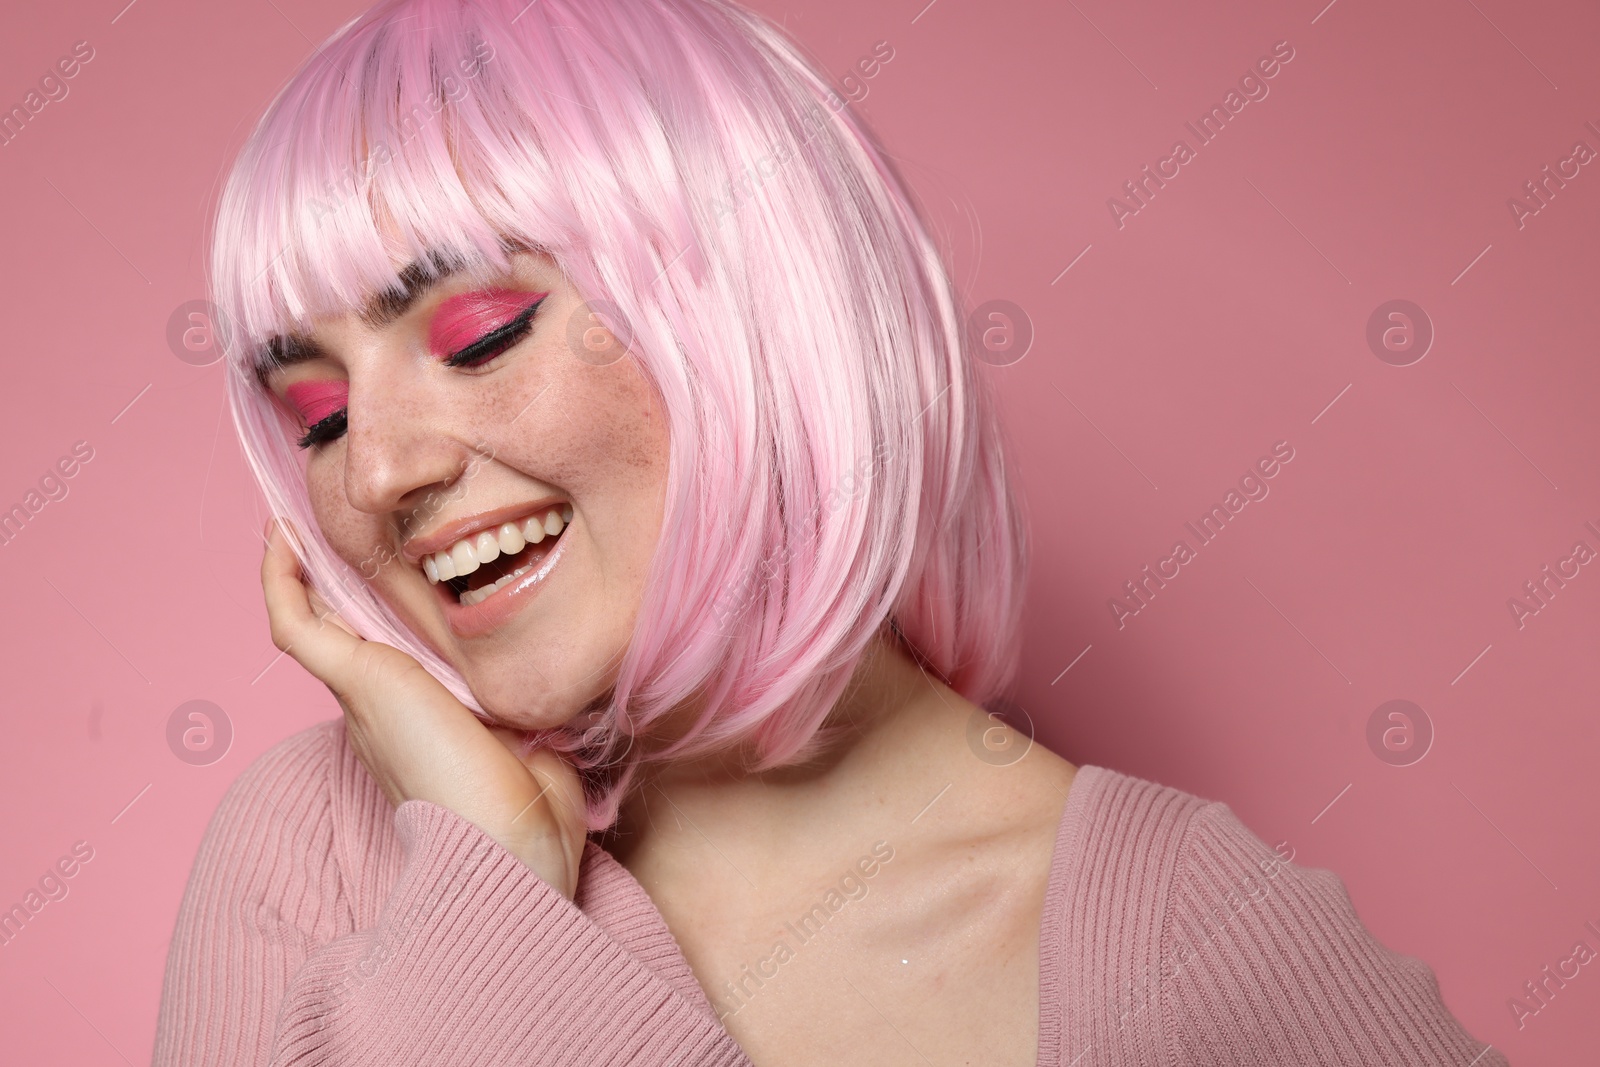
x: 485, y: 546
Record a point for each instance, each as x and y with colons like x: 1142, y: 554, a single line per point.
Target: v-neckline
x: 616, y: 902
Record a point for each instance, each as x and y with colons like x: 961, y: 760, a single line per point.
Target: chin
x: 557, y: 690
x: 522, y: 675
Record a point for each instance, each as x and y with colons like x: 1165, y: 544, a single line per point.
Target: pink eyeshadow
x: 315, y: 401
x: 463, y: 319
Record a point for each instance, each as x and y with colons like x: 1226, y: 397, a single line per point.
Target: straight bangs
x: 836, y: 467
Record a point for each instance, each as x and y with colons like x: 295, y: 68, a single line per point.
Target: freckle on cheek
x: 331, y: 516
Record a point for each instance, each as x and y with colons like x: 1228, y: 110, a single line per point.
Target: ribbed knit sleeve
x: 1266, y: 962
x: 282, y: 957
x: 477, y: 961
x: 264, y: 892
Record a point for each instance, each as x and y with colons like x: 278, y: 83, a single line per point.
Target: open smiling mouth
x: 478, y: 566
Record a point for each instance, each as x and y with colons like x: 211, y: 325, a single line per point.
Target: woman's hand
x: 418, y: 741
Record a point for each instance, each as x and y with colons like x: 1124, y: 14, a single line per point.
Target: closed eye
x: 326, y: 430
x: 477, y: 354
x: 495, y: 341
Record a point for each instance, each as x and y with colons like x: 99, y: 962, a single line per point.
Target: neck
x: 890, y: 706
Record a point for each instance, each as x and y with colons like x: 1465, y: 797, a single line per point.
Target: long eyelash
x: 326, y: 430
x: 495, y: 341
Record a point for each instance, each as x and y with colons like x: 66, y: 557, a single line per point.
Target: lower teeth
x: 473, y: 596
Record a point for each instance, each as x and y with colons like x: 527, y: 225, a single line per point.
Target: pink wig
x: 835, y: 464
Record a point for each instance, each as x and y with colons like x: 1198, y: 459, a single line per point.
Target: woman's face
x: 455, y: 465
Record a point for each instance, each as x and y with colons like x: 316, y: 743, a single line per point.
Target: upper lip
x: 445, y: 536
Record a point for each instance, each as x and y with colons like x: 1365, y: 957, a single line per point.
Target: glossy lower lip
x: 493, y: 612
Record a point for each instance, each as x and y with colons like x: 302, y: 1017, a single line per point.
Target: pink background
x: 1228, y: 314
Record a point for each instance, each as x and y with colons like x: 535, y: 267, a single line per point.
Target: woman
x: 651, y: 525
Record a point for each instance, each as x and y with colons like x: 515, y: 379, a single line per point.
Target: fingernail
x: 266, y: 531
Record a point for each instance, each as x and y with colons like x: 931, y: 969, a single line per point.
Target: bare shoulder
x: 1019, y: 787
x: 985, y: 807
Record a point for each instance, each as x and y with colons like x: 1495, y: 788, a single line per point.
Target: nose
x: 396, y: 445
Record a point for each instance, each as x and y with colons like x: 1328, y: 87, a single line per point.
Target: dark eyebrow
x: 416, y: 278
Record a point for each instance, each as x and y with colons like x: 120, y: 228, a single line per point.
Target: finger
x: 296, y: 628
x: 320, y: 608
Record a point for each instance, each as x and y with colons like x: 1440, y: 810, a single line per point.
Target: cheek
x: 628, y: 458
x: 613, y: 456
x: 326, y: 495
x: 640, y: 457
x: 350, y: 533
x: 648, y: 448
x: 602, y: 432
x: 636, y: 438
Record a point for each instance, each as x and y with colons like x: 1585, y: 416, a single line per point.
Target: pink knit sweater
x: 321, y: 925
